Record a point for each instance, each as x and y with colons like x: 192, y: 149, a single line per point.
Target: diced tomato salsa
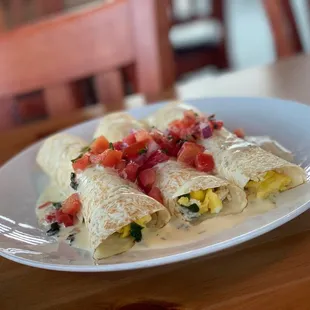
x: 71, y: 205
x: 146, y: 179
x: 81, y: 164
x: 135, y: 157
x: 239, y: 132
x: 204, y: 162
x: 99, y: 145
x: 130, y: 139
x: 109, y: 158
x: 130, y: 171
x: 142, y: 135
x: 135, y: 149
x: 63, y: 218
x: 156, y: 194
x: 67, y: 212
x: 188, y: 153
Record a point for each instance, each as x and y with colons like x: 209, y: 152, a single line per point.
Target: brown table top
x: 270, y: 272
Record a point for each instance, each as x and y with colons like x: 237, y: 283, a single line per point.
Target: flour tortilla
x: 170, y: 112
x: 117, y: 125
x: 271, y: 146
x: 175, y: 179
x: 55, y: 155
x: 108, y: 202
x: 240, y: 161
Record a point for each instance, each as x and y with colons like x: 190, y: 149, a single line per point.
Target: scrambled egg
x: 273, y: 182
x: 125, y: 231
x: 208, y: 201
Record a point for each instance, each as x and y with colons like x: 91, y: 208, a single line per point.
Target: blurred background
x: 194, y: 40
x: 249, y: 39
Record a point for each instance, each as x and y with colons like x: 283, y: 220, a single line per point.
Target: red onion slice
x: 206, y: 130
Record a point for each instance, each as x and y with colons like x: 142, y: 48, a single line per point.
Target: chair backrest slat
x: 67, y: 47
x: 55, y: 54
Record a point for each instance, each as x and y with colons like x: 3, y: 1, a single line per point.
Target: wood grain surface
x: 269, y: 272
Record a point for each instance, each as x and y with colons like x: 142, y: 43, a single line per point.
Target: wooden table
x: 270, y: 272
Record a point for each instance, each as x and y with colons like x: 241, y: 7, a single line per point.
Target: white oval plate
x: 21, y: 240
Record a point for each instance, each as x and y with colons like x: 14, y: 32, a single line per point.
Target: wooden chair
x: 284, y: 28
x: 51, y: 55
x: 18, y: 10
x: 192, y: 54
x: 13, y: 14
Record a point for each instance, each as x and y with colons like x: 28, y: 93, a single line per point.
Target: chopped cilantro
x: 85, y: 149
x: 73, y: 182
x: 136, y: 231
x: 74, y: 185
x: 75, y: 159
x: 194, y: 208
x: 57, y: 205
x: 72, y: 176
x: 211, y: 117
x: 142, y: 151
x: 53, y: 230
x: 71, y: 238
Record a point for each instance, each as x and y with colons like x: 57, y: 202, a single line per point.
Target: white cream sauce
x: 271, y: 146
x: 175, y: 233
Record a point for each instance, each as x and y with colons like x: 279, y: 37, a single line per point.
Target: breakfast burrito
x: 247, y: 165
x: 191, y: 194
x: 55, y: 157
x: 243, y: 163
x: 116, y: 126
x: 115, y: 211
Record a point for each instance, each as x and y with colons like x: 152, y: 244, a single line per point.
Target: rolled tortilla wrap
x: 240, y: 162
x: 110, y: 203
x: 55, y: 155
x: 173, y: 181
x: 170, y: 112
x: 176, y: 180
x: 117, y: 125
